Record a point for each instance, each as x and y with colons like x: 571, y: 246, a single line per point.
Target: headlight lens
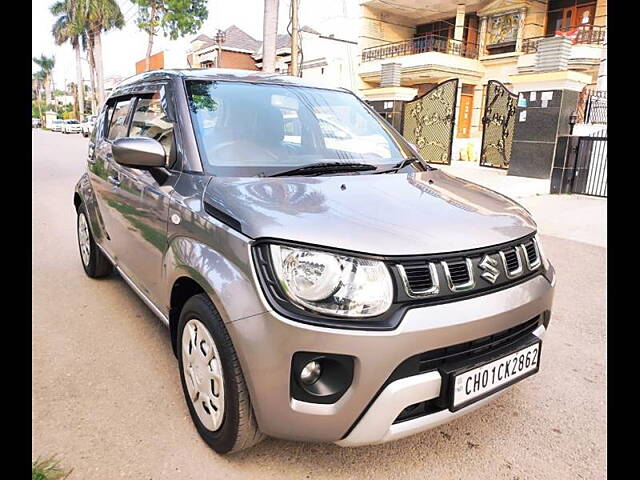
x: 333, y: 284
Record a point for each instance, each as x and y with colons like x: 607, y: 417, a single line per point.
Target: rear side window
x: 150, y: 120
x: 118, y: 125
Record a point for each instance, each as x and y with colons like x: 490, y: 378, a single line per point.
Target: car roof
x: 222, y: 74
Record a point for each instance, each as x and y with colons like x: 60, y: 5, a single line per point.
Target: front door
x: 464, y: 115
x: 144, y: 197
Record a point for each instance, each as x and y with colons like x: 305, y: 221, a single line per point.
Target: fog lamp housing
x: 320, y: 377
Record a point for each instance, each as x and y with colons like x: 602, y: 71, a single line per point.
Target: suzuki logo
x: 489, y: 265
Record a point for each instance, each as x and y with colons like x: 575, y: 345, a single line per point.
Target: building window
x: 445, y: 29
x: 563, y: 15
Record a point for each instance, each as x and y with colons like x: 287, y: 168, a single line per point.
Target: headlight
x: 333, y: 284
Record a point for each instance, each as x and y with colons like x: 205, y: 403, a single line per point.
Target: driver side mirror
x: 139, y: 152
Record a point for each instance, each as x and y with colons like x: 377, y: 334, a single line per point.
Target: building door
x: 464, y: 115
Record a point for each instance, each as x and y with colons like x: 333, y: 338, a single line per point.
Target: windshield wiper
x: 326, y: 167
x: 400, y: 165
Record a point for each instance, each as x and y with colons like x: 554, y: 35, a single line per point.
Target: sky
x: 123, y: 48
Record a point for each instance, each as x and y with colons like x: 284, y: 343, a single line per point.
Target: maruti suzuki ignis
x: 320, y: 281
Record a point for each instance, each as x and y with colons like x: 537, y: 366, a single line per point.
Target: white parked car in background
x: 57, y: 125
x: 88, y: 125
x: 71, y: 126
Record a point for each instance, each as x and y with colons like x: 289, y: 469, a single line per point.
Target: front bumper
x: 266, y: 342
x: 377, y: 425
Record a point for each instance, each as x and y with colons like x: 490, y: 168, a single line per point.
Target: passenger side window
x: 118, y: 125
x: 150, y: 120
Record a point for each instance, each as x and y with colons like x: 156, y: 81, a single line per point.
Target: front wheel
x: 94, y: 262
x: 212, y: 380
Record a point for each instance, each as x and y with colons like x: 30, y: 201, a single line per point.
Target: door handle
x: 114, y: 181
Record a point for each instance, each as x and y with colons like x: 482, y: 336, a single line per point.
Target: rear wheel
x: 94, y: 262
x: 212, y: 380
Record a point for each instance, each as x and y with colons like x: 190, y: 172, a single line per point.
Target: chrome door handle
x: 114, y: 181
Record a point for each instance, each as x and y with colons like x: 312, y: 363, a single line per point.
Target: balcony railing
x: 422, y: 44
x: 583, y: 34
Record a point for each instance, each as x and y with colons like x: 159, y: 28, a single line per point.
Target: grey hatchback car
x: 320, y: 281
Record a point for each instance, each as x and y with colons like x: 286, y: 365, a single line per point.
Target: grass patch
x: 48, y: 469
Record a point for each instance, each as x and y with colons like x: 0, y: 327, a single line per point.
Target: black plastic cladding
x: 402, y: 302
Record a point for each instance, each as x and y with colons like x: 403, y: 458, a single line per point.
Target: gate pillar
x: 545, y: 103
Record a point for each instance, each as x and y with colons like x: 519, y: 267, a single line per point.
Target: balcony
x: 586, y: 51
x: 582, y: 35
x: 422, y: 44
x: 423, y: 59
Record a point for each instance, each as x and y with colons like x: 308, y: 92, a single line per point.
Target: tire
x: 95, y: 263
x: 235, y: 428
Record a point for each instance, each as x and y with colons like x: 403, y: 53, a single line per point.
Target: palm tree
x: 102, y: 15
x: 88, y: 46
x: 46, y: 65
x: 68, y: 28
x: 38, y: 78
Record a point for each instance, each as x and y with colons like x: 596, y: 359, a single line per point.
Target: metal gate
x: 590, y: 171
x: 499, y: 121
x: 428, y: 122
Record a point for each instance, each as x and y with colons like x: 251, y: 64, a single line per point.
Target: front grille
x: 458, y: 271
x: 512, y: 260
x: 434, y: 277
x: 418, y: 276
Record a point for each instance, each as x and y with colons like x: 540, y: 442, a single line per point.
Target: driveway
x: 106, y: 391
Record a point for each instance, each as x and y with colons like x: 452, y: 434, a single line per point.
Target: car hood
x: 385, y: 214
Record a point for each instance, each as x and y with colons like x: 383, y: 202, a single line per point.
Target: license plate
x: 482, y: 381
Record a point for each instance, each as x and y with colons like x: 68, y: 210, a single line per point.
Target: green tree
x: 69, y: 27
x: 176, y: 18
x: 46, y: 65
x: 101, y: 16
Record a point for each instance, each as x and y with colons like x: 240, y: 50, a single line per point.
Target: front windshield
x: 246, y: 129
x: 74, y: 122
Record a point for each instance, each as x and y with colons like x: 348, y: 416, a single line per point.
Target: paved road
x: 106, y: 394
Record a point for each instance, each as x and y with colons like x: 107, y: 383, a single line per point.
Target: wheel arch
x: 193, y: 267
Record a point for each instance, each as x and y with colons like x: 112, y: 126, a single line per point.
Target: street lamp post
x: 220, y: 38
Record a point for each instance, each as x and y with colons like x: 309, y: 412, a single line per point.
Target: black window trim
x: 134, y: 92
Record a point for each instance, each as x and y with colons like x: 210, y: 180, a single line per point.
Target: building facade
x: 426, y: 43
x: 236, y: 51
